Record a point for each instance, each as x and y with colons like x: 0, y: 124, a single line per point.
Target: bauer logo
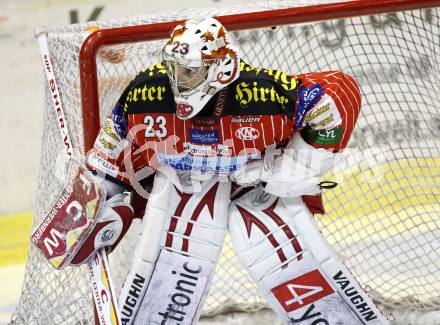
x: 302, y: 291
x: 247, y: 133
x: 203, y: 136
x: 245, y: 119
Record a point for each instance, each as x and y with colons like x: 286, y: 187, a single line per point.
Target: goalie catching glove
x: 294, y: 173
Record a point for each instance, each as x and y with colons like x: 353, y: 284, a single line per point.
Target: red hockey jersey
x: 261, y: 108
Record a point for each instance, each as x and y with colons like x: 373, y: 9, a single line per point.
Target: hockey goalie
x: 213, y: 144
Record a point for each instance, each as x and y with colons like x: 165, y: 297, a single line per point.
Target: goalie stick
x: 103, y: 292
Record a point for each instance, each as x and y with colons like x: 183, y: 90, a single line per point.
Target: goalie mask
x: 200, y: 59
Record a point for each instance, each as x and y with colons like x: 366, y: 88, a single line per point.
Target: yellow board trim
x: 388, y: 187
x: 15, y: 230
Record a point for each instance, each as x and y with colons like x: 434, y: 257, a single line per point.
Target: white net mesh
x: 383, y: 219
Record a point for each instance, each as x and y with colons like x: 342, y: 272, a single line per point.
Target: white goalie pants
x: 277, y: 240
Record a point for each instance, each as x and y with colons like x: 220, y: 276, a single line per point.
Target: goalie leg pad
x: 296, y: 270
x: 147, y: 249
x: 182, y: 240
x: 176, y: 291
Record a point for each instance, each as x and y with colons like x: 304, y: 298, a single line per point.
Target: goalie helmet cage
x: 384, y: 217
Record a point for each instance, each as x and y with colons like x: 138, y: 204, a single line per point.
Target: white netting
x: 383, y: 219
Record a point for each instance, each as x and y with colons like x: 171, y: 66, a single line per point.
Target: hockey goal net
x: 383, y: 219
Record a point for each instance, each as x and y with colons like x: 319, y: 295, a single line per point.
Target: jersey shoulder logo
x: 119, y: 121
x: 308, y: 97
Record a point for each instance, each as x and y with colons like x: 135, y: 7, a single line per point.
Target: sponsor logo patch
x: 323, y: 137
x: 247, y: 133
x: 320, y: 110
x: 210, y: 164
x: 308, y: 97
x: 183, y: 294
x: 119, y: 121
x: 183, y: 109
x: 197, y: 150
x: 287, y: 82
x: 303, y: 290
x: 108, y: 129
x: 324, y: 115
x: 203, y: 136
x: 247, y: 93
x: 106, y: 144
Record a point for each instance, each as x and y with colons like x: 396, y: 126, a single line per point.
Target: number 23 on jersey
x: 156, y: 127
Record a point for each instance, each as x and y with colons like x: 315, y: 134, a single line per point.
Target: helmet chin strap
x: 210, y: 90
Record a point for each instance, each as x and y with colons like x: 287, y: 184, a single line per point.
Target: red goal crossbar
x: 88, y: 71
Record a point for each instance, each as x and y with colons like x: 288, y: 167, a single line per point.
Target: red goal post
x: 319, y: 12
